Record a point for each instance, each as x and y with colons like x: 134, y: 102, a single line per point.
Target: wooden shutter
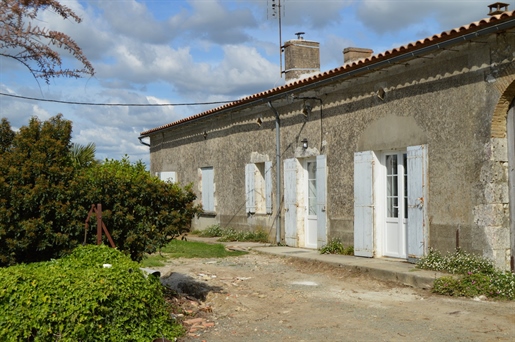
x: 250, y: 192
x: 321, y: 181
x: 268, y: 187
x: 290, y: 202
x: 363, y: 204
x: 417, y: 201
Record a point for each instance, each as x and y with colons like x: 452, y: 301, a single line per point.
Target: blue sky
x: 171, y: 51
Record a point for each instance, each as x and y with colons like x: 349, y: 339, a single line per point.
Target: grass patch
x: 474, y: 275
x: 335, y: 246
x: 154, y: 260
x: 188, y: 249
x: 230, y: 234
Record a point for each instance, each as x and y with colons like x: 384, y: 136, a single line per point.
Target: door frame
x: 307, y: 216
x: 381, y: 203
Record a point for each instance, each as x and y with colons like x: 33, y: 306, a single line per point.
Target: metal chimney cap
x: 299, y: 34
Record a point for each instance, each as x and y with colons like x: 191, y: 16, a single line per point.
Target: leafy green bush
x: 475, y: 275
x: 335, y: 246
x: 44, y: 199
x: 140, y: 211
x: 76, y: 299
x: 39, y: 218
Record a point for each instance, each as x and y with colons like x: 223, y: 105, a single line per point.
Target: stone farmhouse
x: 394, y: 153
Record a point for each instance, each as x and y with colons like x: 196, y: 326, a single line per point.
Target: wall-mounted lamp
x: 259, y: 122
x: 304, y: 143
x: 381, y: 93
x: 306, y: 108
x: 205, y: 135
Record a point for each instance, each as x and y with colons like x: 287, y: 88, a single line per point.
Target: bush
x: 335, y: 246
x: 76, y: 299
x: 39, y: 216
x: 140, y: 211
x: 44, y: 199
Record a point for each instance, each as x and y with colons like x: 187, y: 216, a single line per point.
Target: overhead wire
x: 117, y: 104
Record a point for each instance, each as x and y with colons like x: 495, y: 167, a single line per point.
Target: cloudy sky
x: 197, y: 51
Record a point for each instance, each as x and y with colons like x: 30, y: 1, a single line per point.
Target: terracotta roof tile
x: 435, y: 39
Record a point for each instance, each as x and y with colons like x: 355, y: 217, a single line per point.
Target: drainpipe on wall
x: 278, y: 172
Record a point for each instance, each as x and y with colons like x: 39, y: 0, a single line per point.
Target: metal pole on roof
x: 277, y: 173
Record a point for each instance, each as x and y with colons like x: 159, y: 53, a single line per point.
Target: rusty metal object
x: 100, y: 225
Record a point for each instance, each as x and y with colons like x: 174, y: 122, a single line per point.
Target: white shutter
x: 250, y: 188
x: 417, y: 201
x: 290, y: 202
x: 321, y: 181
x: 363, y: 204
x: 268, y: 187
x: 208, y: 189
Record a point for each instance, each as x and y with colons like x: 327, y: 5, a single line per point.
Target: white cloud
x: 148, y: 52
x: 384, y: 16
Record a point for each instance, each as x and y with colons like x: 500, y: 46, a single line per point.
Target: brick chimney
x: 301, y: 58
x: 352, y: 54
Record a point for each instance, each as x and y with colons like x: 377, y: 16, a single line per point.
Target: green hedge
x: 76, y: 299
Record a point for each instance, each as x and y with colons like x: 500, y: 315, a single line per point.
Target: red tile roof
x: 411, y: 47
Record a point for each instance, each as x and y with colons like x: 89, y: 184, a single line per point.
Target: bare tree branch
x: 35, y: 46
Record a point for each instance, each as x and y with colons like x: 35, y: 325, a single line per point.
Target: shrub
x: 76, y: 299
x: 335, y: 246
x: 140, y: 211
x: 44, y: 199
x: 38, y: 213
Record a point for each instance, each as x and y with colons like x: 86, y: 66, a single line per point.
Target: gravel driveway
x: 259, y: 297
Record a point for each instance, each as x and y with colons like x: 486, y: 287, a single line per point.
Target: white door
x: 395, y: 201
x: 310, y: 188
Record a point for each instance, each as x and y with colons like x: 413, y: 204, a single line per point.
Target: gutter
x: 142, y: 142
x: 367, y: 68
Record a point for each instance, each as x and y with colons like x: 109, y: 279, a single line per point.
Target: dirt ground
x: 258, y: 297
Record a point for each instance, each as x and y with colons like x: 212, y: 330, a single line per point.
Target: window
x: 258, y: 188
x: 167, y: 176
x: 208, y: 189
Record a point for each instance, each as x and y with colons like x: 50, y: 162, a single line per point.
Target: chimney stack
x: 498, y: 8
x: 301, y: 58
x: 352, y: 54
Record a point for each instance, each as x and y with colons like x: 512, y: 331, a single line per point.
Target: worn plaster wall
x: 446, y: 100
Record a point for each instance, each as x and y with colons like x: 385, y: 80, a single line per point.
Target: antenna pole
x: 280, y: 42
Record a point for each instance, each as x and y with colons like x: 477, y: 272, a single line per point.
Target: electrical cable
x: 117, y: 104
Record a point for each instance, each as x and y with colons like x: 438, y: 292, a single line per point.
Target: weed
x: 230, y: 234
x: 335, y: 246
x: 476, y: 275
x: 212, y: 231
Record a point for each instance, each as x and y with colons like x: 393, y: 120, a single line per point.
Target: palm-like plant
x: 83, y: 155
